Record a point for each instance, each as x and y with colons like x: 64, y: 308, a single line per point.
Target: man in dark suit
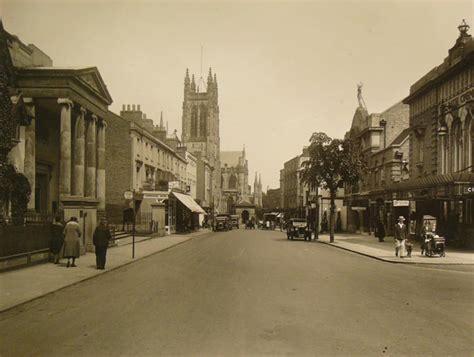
x: 101, y: 241
x: 401, y: 235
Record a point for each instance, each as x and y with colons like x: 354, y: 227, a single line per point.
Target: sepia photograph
x: 236, y: 178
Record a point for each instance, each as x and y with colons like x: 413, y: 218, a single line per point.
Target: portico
x: 64, y: 146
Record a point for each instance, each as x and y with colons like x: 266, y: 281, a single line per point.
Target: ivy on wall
x: 15, y: 190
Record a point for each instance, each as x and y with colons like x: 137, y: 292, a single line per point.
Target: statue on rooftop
x: 359, y: 96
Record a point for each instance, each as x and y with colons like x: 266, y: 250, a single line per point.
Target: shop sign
x: 173, y: 184
x: 469, y: 189
x: 357, y: 208
x: 128, y: 195
x: 401, y: 203
x: 462, y: 98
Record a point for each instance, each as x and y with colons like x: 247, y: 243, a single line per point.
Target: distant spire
x: 260, y: 180
x: 255, y: 182
x: 167, y: 127
x: 161, y: 120
x: 186, y: 78
x: 193, y: 84
x: 243, y: 152
x: 209, y: 77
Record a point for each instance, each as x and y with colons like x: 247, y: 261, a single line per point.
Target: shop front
x: 449, y: 198
x: 188, y: 212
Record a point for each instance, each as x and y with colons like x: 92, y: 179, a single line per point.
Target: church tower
x: 200, y: 133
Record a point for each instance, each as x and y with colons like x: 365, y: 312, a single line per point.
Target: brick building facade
x: 382, y: 143
x: 441, y: 145
x: 139, y: 159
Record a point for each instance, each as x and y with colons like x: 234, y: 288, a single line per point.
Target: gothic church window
x: 194, y: 121
x: 232, y: 182
x: 203, y: 121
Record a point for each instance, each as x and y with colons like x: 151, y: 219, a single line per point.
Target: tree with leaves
x: 331, y: 164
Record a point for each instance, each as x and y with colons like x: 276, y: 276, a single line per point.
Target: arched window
x: 470, y: 132
x: 232, y: 182
x: 203, y: 121
x: 456, y: 146
x: 194, y: 121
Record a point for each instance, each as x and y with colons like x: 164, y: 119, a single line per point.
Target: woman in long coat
x: 71, y: 246
x: 57, y: 238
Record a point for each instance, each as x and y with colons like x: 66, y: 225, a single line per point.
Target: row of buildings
x: 419, y: 154
x: 81, y: 159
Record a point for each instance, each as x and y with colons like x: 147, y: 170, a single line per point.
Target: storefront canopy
x: 189, y: 202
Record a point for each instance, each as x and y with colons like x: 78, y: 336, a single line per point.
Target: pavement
x: 26, y: 284
x: 23, y: 285
x: 369, y: 245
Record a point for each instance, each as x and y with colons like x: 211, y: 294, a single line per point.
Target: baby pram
x: 434, y: 245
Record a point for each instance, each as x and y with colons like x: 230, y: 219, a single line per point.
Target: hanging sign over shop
x: 401, y: 203
x: 173, y: 184
x: 128, y: 195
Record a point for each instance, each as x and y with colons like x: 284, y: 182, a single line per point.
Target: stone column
x: 79, y: 154
x: 101, y: 164
x: 65, y: 147
x: 443, y: 153
x: 91, y: 162
x: 30, y: 150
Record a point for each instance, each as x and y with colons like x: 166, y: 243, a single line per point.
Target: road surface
x: 251, y: 293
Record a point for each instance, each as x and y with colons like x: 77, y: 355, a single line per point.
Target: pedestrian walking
x: 101, y: 242
x: 401, y: 235
x: 57, y: 239
x: 380, y: 230
x: 71, y: 247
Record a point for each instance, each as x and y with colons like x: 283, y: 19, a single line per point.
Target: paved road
x: 249, y: 293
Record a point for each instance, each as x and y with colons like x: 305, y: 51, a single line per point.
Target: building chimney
x: 133, y: 107
x: 128, y: 107
x: 138, y: 107
x: 123, y: 107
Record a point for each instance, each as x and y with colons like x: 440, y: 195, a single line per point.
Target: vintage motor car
x: 298, y: 228
x: 221, y: 223
x: 234, y: 221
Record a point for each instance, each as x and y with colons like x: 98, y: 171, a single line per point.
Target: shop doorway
x: 245, y: 216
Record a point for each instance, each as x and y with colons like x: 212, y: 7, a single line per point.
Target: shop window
x: 468, y: 213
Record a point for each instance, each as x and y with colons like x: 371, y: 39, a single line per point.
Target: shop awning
x: 189, y: 202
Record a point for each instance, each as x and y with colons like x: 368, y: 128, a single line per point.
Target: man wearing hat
x: 401, y: 235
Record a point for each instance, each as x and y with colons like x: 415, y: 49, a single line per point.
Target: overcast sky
x: 284, y: 69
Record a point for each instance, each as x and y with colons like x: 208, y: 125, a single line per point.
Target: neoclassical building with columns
x: 62, y: 150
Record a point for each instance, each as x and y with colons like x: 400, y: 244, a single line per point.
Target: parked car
x: 298, y: 228
x: 234, y: 221
x: 221, y: 223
